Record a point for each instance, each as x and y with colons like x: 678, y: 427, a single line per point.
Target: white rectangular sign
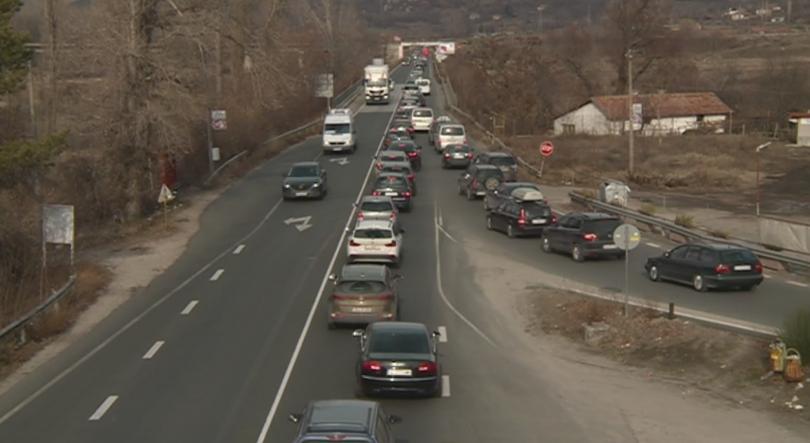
x: 58, y: 224
x: 638, y: 117
x: 325, y: 86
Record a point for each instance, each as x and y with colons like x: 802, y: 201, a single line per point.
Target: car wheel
x: 470, y: 195
x: 698, y: 283
x: 510, y: 231
x: 576, y: 254
x: 652, y: 273
x: 489, y: 223
x: 546, y: 244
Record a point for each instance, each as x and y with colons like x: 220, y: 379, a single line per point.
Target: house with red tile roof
x: 656, y: 114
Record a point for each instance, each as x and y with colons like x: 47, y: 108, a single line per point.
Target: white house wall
x: 587, y: 119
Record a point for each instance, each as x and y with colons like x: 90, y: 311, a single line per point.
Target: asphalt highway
x: 230, y: 339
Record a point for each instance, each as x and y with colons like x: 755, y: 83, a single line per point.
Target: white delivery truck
x: 338, y: 131
x: 377, y: 83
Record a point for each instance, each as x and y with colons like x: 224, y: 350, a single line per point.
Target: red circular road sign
x: 546, y: 149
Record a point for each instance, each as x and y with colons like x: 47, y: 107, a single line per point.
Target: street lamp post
x: 756, y: 154
x: 631, y: 142
x: 540, y: 18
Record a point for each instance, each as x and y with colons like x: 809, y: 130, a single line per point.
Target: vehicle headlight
x: 316, y: 185
x: 286, y: 186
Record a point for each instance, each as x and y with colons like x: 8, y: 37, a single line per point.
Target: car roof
x: 593, y: 216
x: 363, y: 272
x: 398, y: 326
x: 424, y: 108
x: 486, y: 167
x: 341, y: 416
x: 403, y: 164
x: 304, y: 164
x: 391, y: 174
x: 453, y: 125
x: 374, y: 224
x: 527, y: 194
x: 337, y: 118
x: 722, y: 247
x: 498, y: 154
x: 376, y: 198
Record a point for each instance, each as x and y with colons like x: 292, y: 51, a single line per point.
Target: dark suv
x: 344, y: 420
x: 502, y: 160
x: 707, y: 266
x: 583, y: 235
x: 478, y: 179
x: 523, y: 214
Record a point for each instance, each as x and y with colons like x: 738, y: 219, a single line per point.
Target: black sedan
x: 525, y: 213
x: 394, y: 185
x: 495, y: 197
x: 707, y: 267
x: 457, y: 156
x: 411, y: 149
x: 583, y: 235
x: 398, y: 357
x: 304, y: 180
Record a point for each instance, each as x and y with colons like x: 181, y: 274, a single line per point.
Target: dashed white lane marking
x: 238, y: 249
x: 105, y: 406
x: 797, y: 283
x: 442, y: 334
x: 153, y: 350
x: 217, y: 275
x: 445, y: 385
x: 189, y: 307
x: 653, y: 245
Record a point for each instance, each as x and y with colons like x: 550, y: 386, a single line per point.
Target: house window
x: 569, y: 129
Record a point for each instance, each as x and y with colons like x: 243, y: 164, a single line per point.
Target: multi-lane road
x: 233, y: 337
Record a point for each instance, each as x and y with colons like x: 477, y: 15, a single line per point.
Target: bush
x: 719, y: 234
x: 648, y: 209
x: 687, y: 221
x: 796, y: 333
x: 587, y: 193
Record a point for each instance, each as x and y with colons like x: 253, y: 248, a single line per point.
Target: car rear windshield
x: 487, y: 173
x: 738, y: 255
x: 502, y: 161
x: 395, y: 168
x: 392, y: 182
x: 303, y: 171
x: 408, y: 342
x: 376, y: 206
x: 423, y: 113
x: 372, y: 233
x: 601, y: 227
x: 452, y: 131
x: 360, y: 287
x: 536, y: 209
x: 337, y: 128
x: 458, y: 148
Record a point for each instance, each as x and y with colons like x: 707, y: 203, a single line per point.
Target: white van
x: 339, y: 132
x: 424, y: 86
x: 421, y: 119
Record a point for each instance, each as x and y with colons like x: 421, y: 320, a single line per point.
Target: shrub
x: 687, y: 221
x: 587, y: 193
x: 719, y: 233
x: 796, y: 333
x: 648, y: 209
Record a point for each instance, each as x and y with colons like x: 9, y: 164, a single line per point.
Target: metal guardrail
x: 692, y: 235
x: 20, y: 323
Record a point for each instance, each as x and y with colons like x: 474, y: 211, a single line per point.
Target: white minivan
x: 338, y: 131
x: 421, y: 119
x: 424, y: 86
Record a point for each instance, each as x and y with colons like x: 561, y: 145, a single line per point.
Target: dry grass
x: 648, y: 209
x: 687, y: 221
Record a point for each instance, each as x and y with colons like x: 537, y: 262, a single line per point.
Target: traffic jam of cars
x: 399, y: 356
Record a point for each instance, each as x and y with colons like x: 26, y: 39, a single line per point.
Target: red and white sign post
x: 546, y: 149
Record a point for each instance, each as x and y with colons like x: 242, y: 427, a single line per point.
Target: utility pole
x: 757, y: 150
x: 31, y: 101
x: 630, y: 147
x: 52, y: 100
x: 789, y: 11
x: 540, y: 18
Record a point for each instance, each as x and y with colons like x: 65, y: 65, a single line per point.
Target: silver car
x: 373, y: 207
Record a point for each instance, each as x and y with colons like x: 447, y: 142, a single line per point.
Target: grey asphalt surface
x: 221, y: 366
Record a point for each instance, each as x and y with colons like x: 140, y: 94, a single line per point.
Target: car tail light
x: 353, y: 243
x: 553, y: 219
x: 412, y: 177
x: 469, y: 155
x: 391, y: 243
x: 446, y: 154
x: 722, y: 269
x: 385, y: 296
x: 522, y: 217
x: 360, y: 216
x: 758, y: 267
x: 376, y: 193
x: 372, y: 367
x: 590, y: 236
x: 393, y: 215
x: 474, y: 183
x: 339, y: 297
x: 427, y: 368
x: 413, y: 154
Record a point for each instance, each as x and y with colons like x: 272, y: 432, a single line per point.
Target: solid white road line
x: 238, y: 249
x: 153, y: 350
x: 217, y: 275
x: 797, y: 283
x: 653, y: 245
x: 442, y: 334
x: 308, y: 323
x: 138, y: 318
x: 445, y: 385
x: 189, y: 307
x: 105, y: 406
x: 439, y: 281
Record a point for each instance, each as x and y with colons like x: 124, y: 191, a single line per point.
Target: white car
x: 424, y: 86
x: 339, y: 131
x: 421, y: 119
x: 450, y: 134
x: 375, y: 241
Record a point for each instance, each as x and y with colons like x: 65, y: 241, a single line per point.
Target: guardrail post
x: 671, y: 313
x: 22, y: 338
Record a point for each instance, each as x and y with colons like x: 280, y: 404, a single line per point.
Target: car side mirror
x: 357, y: 333
x: 667, y: 254
x: 394, y: 419
x: 295, y: 418
x: 333, y: 276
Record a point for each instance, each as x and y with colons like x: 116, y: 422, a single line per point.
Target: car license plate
x: 742, y: 268
x: 539, y: 221
x: 399, y: 372
x: 609, y: 247
x: 392, y: 194
x: 458, y: 156
x: 301, y: 194
x: 361, y: 309
x: 372, y: 248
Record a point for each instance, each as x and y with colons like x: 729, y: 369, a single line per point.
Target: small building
x: 800, y: 127
x: 661, y: 114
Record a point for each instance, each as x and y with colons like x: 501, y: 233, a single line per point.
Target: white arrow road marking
x: 797, y: 283
x: 217, y: 275
x: 153, y: 350
x: 653, y: 245
x: 189, y: 307
x: 342, y: 161
x: 301, y: 223
x: 105, y: 406
x: 445, y: 385
x: 238, y: 249
x: 442, y: 334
